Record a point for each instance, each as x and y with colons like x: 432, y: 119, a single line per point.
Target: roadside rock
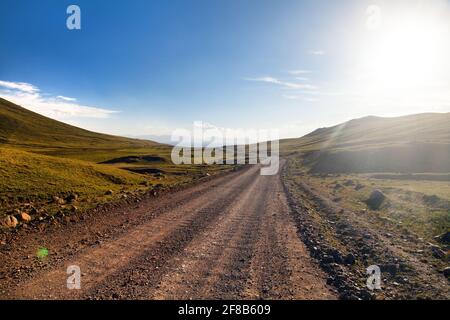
x: 58, y: 200
x: 350, y: 259
x: 337, y: 256
x: 444, y: 238
x: 25, y: 217
x: 109, y: 192
x: 376, y: 199
x: 349, y: 183
x: 437, y: 252
x: 390, y: 268
x: 9, y: 221
x: 431, y: 200
x: 72, y: 197
x: 446, y: 272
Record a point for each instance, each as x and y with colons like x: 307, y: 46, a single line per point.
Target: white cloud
x: 286, y: 84
x: 317, y: 52
x: 297, y: 72
x: 299, y: 97
x: 66, y: 98
x: 291, y: 97
x: 20, y: 86
x: 58, y: 107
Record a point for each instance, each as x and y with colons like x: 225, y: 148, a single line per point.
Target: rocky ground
x: 346, y: 242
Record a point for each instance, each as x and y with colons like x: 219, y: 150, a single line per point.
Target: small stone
x: 390, y: 268
x: 437, y: 252
x: 58, y: 200
x: 350, y: 259
x: 444, y: 238
x: 376, y: 199
x: 9, y: 221
x: 72, y: 197
x: 446, y: 272
x: 349, y: 183
x: 25, y: 217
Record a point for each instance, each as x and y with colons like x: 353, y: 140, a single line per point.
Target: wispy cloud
x: 285, y: 84
x: 20, y: 86
x: 59, y: 107
x: 291, y: 97
x: 299, y: 71
x: 299, y: 97
x: 66, y: 98
x: 317, y: 52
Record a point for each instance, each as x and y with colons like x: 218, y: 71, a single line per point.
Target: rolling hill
x: 29, y: 131
x: 41, y: 159
x: 414, y: 143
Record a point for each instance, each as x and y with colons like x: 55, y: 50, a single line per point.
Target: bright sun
x: 407, y: 52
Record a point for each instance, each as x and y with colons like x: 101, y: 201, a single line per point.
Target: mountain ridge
x: 24, y: 127
x: 412, y: 143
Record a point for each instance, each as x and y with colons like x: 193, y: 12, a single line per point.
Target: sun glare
x: 406, y: 56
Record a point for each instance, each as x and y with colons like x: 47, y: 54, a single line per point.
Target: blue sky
x: 143, y: 67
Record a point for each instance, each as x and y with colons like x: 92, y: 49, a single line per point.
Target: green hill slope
x: 26, y: 130
x: 23, y: 128
x: 41, y: 159
x: 415, y: 143
x: 29, y: 176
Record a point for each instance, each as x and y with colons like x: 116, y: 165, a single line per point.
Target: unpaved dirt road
x: 229, y: 238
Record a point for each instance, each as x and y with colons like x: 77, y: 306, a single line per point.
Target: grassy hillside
x: 26, y: 130
x: 415, y: 143
x: 41, y: 159
x: 28, y: 176
x: 23, y: 128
